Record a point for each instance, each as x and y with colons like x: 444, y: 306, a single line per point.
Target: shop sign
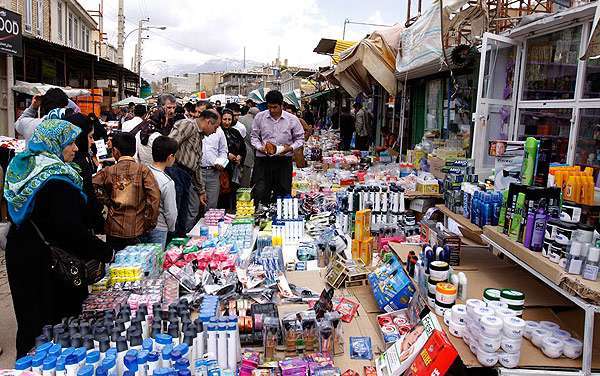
x: 11, y: 38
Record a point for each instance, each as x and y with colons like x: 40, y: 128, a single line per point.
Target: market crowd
x: 147, y: 179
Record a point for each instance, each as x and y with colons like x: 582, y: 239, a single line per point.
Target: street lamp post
x: 140, y: 73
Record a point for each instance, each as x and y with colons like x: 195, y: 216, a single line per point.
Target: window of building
x: 82, y: 45
x: 59, y: 24
x: 40, y: 18
x: 70, y: 30
x: 87, y: 40
x: 550, y: 125
x: 587, y: 147
x: 75, y: 32
x: 551, y: 65
x: 28, y: 14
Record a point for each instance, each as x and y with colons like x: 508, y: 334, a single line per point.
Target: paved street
x: 8, y: 324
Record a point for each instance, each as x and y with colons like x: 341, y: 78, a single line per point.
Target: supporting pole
x: 10, y: 96
x: 120, y: 33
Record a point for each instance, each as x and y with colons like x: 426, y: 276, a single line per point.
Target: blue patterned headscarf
x: 42, y: 161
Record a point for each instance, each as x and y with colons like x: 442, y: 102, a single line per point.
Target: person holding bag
x: 45, y: 191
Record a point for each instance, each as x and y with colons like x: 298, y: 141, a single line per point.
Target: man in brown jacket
x: 130, y: 192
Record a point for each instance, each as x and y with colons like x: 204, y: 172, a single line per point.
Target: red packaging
x: 347, y: 308
x: 350, y: 372
x: 370, y: 371
x: 435, y: 358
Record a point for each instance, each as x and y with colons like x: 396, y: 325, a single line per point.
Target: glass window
x: 587, y: 148
x: 40, y: 17
x: 551, y: 65
x: 28, y: 10
x: 70, y: 30
x: 59, y: 24
x: 591, y: 86
x: 550, y: 126
x: 75, y: 32
x: 433, y: 110
x: 499, y: 74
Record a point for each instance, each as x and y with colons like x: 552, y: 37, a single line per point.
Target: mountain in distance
x: 212, y: 65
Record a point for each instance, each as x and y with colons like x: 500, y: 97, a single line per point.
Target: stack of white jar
x: 552, y: 340
x: 493, y: 333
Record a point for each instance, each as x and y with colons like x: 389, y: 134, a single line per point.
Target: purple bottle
x: 530, y: 225
x: 539, y: 229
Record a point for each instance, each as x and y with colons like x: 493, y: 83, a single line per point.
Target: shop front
x: 532, y: 83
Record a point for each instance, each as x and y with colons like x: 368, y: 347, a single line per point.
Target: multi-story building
x: 242, y: 83
x: 293, y: 78
x: 35, y: 16
x: 182, y: 85
x: 208, y: 82
x: 71, y: 24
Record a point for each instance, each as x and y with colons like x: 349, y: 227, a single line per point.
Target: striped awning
x: 333, y: 48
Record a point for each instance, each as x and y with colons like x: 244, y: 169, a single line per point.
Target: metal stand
x: 588, y: 331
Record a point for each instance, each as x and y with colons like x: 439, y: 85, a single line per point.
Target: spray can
x: 60, y: 369
x: 212, y: 340
x: 49, y: 366
x: 222, y: 345
x: 152, y: 362
x: 142, y: 360
x: 539, y: 229
x: 529, y: 160
x: 231, y: 346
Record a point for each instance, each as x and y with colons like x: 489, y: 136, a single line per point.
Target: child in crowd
x: 163, y: 154
x: 130, y: 192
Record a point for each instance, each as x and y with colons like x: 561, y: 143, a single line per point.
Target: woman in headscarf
x: 87, y: 168
x: 43, y: 188
x: 237, y: 153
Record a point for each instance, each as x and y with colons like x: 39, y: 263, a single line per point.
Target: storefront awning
x: 318, y: 94
x: 333, y: 48
x: 374, y: 57
x: 36, y: 88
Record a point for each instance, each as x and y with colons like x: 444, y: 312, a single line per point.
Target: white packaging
x: 459, y: 313
x: 552, y: 347
x: 509, y: 360
x: 472, y: 304
x: 231, y: 348
x: 489, y: 344
x: 530, y: 326
x: 447, y: 317
x: 563, y: 335
x: 572, y: 348
x: 480, y: 312
x: 538, y: 335
x: 487, y: 359
x: 511, y: 345
x: 549, y: 325
x: 456, y: 329
x: 492, y: 326
x: 514, y: 327
x: 222, y: 347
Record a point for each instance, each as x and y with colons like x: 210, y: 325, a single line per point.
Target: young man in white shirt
x: 163, y: 153
x: 139, y: 111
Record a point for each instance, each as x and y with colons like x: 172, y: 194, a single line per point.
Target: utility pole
x: 244, y: 64
x: 100, y: 26
x: 120, y: 33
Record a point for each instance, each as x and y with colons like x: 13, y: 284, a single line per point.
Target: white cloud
x: 201, y: 30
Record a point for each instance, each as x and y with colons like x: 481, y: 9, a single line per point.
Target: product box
x: 435, y: 358
x: 428, y: 186
x: 355, y: 249
x: 391, y: 286
x: 366, y: 250
x: 400, y: 356
x: 362, y: 224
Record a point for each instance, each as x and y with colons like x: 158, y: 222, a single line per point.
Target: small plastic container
x: 552, y: 347
x: 530, y: 326
x: 572, y: 348
x: 487, y: 359
x: 538, y: 335
x: 511, y: 345
x: 514, y: 327
x: 509, y: 360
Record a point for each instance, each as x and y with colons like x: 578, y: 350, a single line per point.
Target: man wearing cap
x: 275, y: 136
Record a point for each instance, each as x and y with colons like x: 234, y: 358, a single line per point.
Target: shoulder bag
x: 71, y: 269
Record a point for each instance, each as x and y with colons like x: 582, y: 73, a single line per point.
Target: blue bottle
x: 486, y: 211
x: 24, y: 363
x: 86, y: 370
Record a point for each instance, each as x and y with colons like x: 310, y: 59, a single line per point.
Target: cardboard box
x: 362, y: 224
x: 366, y: 251
x: 391, y: 286
x: 435, y: 358
x: 428, y: 187
x: 355, y: 249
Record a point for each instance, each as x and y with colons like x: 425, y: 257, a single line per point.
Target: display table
x: 360, y: 326
x: 484, y: 269
x: 585, y: 294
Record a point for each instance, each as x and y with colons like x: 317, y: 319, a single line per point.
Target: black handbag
x: 71, y: 269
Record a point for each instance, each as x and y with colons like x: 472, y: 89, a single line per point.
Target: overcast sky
x: 202, y: 30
